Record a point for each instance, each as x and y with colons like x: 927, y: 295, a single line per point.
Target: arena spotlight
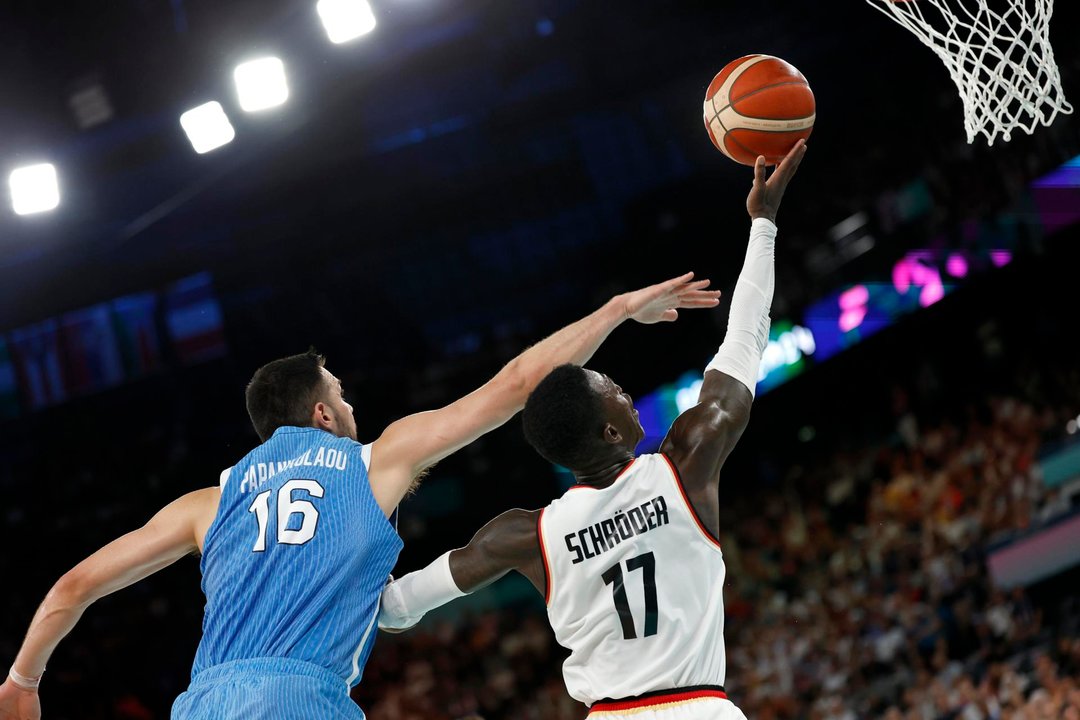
x: 260, y: 84
x: 207, y: 127
x: 34, y: 189
x: 345, y: 20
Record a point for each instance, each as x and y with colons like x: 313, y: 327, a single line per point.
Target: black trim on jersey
x: 689, y: 502
x: 661, y: 693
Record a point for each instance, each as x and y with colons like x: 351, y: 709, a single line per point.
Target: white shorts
x: 670, y: 708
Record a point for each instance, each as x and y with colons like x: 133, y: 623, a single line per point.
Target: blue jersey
x: 296, y: 559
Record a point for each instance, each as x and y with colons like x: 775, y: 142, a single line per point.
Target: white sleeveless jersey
x: 634, y: 586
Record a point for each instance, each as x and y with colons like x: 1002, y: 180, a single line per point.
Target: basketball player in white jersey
x: 628, y: 560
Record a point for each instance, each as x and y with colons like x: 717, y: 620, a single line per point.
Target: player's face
x: 344, y: 422
x: 619, y: 408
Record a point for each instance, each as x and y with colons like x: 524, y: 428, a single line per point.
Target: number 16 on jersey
x: 287, y: 506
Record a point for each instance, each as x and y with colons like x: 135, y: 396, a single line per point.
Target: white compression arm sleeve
x: 405, y: 601
x: 748, y: 323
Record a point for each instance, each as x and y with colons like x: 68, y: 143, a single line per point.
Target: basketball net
x: 1002, y: 62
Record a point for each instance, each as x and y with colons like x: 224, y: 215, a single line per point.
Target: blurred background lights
x: 687, y: 397
x: 260, y: 84
x: 346, y: 20
x: 853, y: 307
x: 34, y: 189
x: 207, y: 127
x: 957, y: 265
x: 787, y: 348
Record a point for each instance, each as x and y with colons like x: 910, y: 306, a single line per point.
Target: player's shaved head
x: 564, y: 417
x: 282, y: 393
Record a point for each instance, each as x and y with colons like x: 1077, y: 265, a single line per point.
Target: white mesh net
x: 999, y: 55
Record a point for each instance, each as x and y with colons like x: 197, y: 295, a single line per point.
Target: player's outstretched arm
x: 415, y: 443
x: 703, y: 436
x: 175, y: 531
x: 509, y: 542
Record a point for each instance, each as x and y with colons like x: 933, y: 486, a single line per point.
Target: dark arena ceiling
x: 469, y: 167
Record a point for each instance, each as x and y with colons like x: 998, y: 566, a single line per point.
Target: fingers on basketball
x: 759, y: 170
x: 791, y: 163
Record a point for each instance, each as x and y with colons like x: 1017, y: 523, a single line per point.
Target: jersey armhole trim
x: 690, y: 506
x: 544, y: 556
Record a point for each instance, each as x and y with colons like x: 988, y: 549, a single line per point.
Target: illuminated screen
x: 785, y: 357
x: 1057, y: 197
x: 1038, y: 556
x: 850, y: 316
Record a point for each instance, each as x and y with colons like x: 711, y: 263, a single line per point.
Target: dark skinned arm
x: 509, y: 542
x: 701, y: 438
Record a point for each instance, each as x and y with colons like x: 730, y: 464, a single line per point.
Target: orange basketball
x: 758, y: 105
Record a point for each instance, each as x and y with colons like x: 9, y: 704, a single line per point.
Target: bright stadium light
x: 260, y: 84
x: 207, y: 127
x: 34, y: 189
x: 345, y: 20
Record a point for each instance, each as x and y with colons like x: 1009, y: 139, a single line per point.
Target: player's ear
x: 612, y: 434
x: 321, y: 417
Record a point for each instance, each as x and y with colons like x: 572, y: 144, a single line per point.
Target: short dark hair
x: 283, y: 392
x: 564, y: 418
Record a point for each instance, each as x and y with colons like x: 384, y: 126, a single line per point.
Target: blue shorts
x: 266, y: 689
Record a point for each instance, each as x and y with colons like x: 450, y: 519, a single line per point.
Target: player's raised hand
x: 765, y: 196
x: 17, y: 703
x: 661, y: 302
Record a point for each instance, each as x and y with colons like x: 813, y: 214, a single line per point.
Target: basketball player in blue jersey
x: 628, y: 560
x: 295, y: 540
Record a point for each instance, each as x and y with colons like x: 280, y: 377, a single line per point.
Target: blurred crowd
x: 894, y: 611
x: 872, y: 600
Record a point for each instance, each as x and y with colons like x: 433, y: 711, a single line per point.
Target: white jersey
x: 634, y: 586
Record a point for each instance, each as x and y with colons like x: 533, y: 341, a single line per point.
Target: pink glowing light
x: 901, y: 276
x: 853, y: 307
x: 931, y: 293
x: 956, y: 265
x: 1000, y: 258
x: 851, y: 319
x: 911, y: 270
x: 916, y: 270
x: 853, y: 298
